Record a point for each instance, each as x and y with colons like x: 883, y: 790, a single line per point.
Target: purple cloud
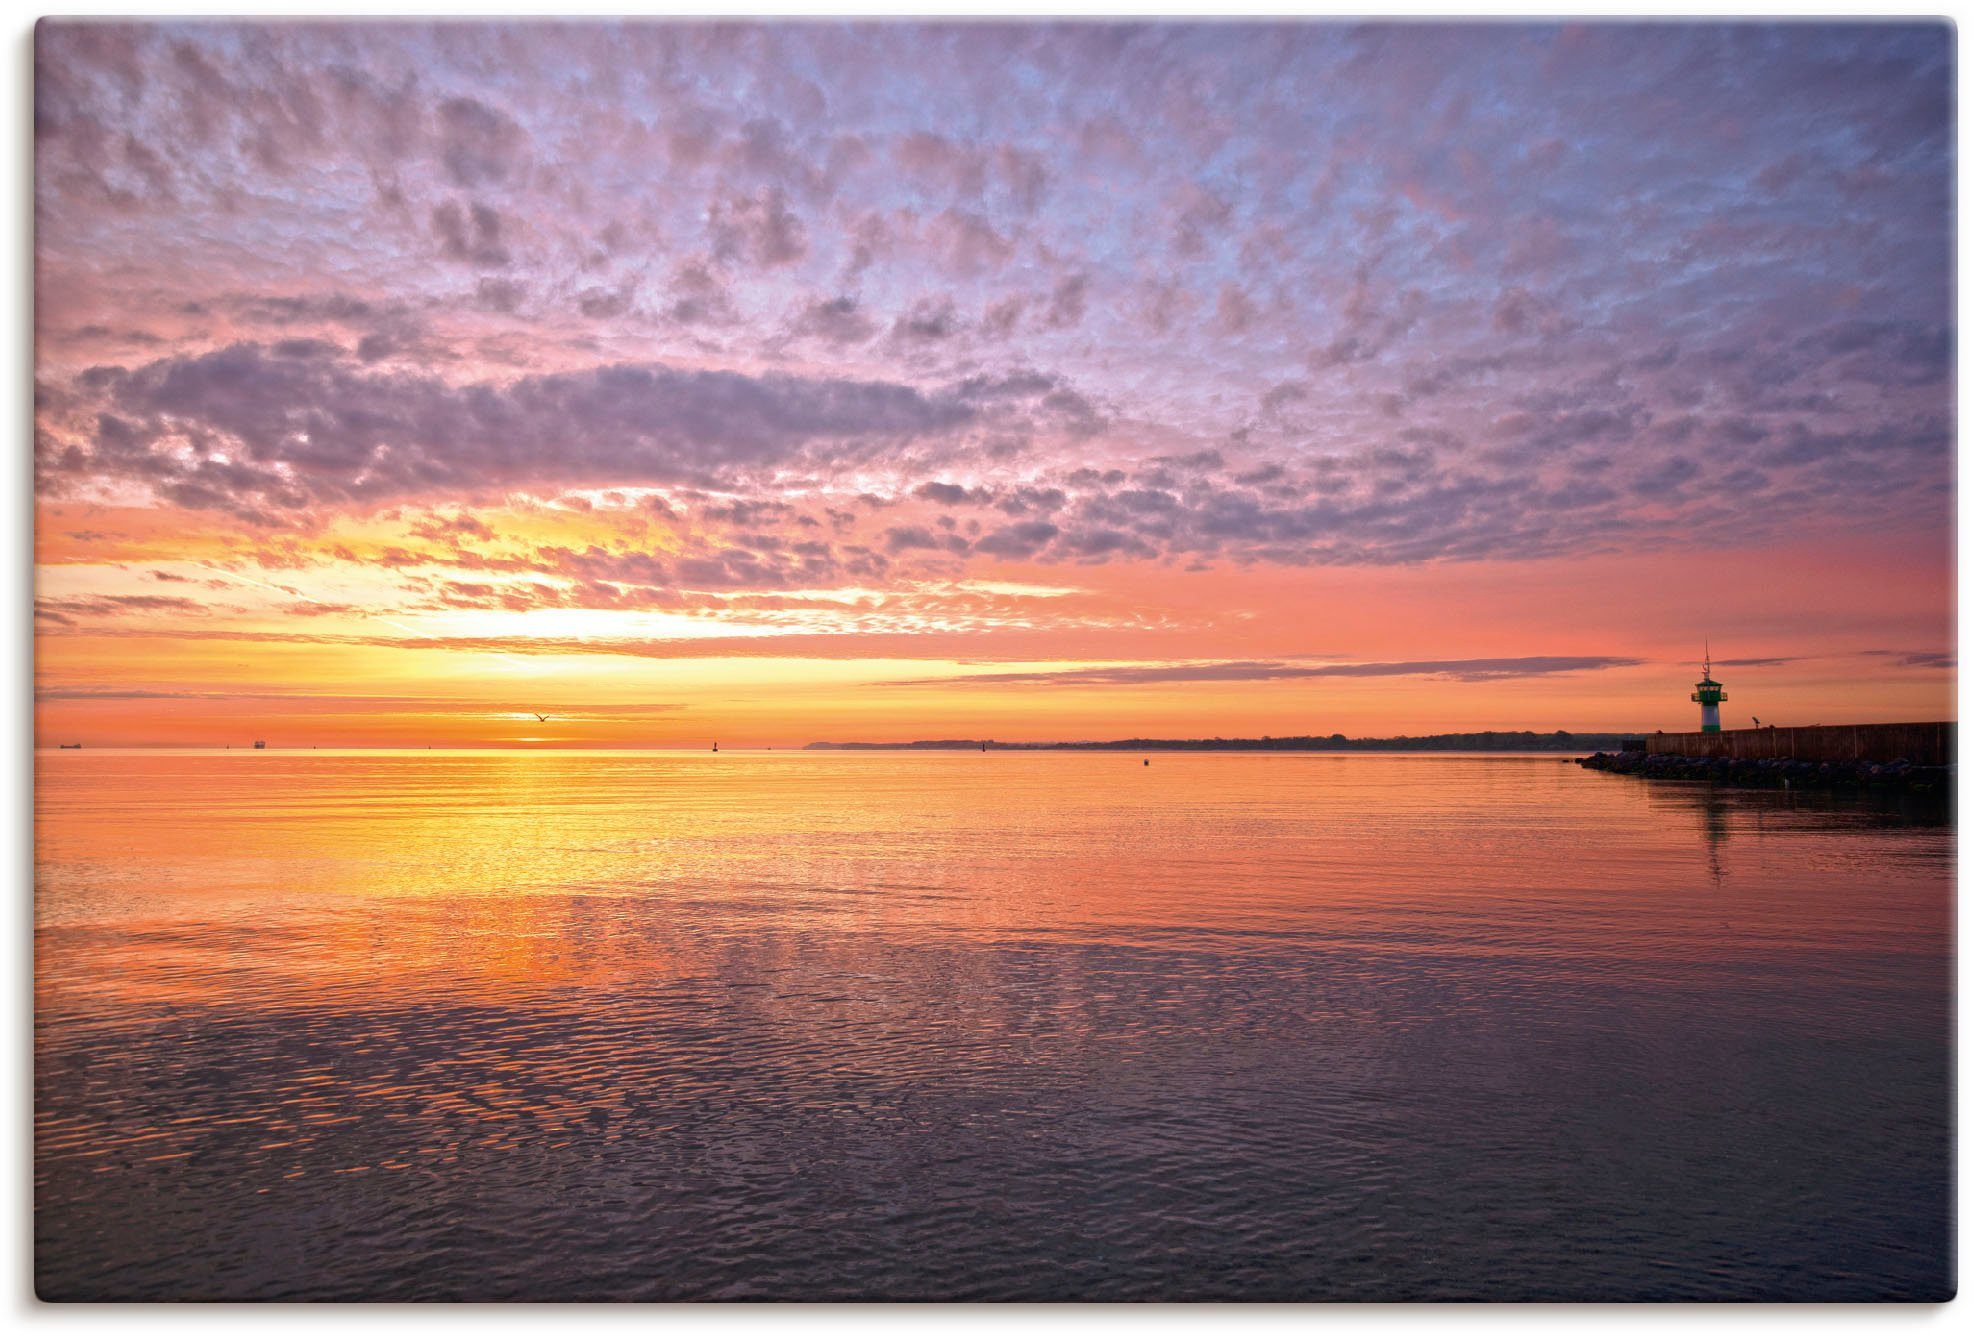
x: 1422, y: 292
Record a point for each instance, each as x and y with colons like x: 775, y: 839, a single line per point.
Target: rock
x: 1775, y: 772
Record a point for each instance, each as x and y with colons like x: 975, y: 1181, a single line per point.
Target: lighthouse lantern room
x: 1709, y: 693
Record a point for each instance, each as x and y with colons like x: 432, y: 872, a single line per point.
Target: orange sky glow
x: 1019, y: 396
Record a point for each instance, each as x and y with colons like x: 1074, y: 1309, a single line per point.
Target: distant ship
x: 71, y: 746
x: 260, y: 746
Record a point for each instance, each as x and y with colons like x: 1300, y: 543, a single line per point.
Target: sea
x: 667, y: 1026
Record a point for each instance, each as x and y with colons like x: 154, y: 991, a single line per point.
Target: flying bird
x: 542, y: 717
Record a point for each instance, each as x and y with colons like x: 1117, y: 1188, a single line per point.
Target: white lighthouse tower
x: 1709, y: 694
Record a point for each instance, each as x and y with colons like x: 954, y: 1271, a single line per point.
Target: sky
x: 763, y: 384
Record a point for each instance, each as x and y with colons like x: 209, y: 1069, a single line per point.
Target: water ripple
x: 980, y: 1027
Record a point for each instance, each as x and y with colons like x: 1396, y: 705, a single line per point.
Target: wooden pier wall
x: 1877, y: 743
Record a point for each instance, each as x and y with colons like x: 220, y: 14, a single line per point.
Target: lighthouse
x: 1709, y: 693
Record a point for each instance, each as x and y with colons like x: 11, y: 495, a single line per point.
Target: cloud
x: 944, y: 493
x: 1457, y: 669
x: 929, y: 320
x: 500, y: 294
x: 470, y: 235
x: 602, y: 304
x: 477, y: 143
x: 839, y: 320
x: 758, y: 228
x: 1021, y: 541
x: 314, y: 703
x: 63, y: 611
x: 1919, y: 659
x: 1439, y: 293
x: 1068, y: 301
x: 968, y: 244
x: 247, y: 430
x: 902, y: 641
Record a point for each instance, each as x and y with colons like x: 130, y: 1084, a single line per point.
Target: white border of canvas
x: 16, y: 743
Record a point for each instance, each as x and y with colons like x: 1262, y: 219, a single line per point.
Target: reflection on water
x: 980, y: 1025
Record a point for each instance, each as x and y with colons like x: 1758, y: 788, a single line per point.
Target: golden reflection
x: 359, y: 880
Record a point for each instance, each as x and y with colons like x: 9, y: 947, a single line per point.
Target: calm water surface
x: 452, y: 1025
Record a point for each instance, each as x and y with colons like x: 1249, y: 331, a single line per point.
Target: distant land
x: 1336, y: 741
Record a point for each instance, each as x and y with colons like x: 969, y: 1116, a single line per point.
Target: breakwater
x: 1898, y: 775
x: 1921, y: 744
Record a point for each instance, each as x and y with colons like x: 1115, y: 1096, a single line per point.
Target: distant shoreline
x: 1540, y: 743
x: 1443, y: 741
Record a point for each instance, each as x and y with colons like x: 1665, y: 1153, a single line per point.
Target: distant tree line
x: 1336, y: 741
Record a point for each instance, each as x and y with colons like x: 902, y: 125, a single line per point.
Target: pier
x: 1905, y: 757
x: 1928, y: 744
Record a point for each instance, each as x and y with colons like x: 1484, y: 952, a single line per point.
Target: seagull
x: 542, y: 717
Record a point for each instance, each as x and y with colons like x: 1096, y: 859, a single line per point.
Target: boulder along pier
x: 1910, y: 757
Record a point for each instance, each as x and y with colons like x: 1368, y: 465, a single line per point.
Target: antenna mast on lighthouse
x: 1708, y: 693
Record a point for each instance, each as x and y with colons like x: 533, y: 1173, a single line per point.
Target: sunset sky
x: 782, y: 383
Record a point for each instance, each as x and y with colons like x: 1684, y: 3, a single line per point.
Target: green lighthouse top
x: 1707, y: 691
